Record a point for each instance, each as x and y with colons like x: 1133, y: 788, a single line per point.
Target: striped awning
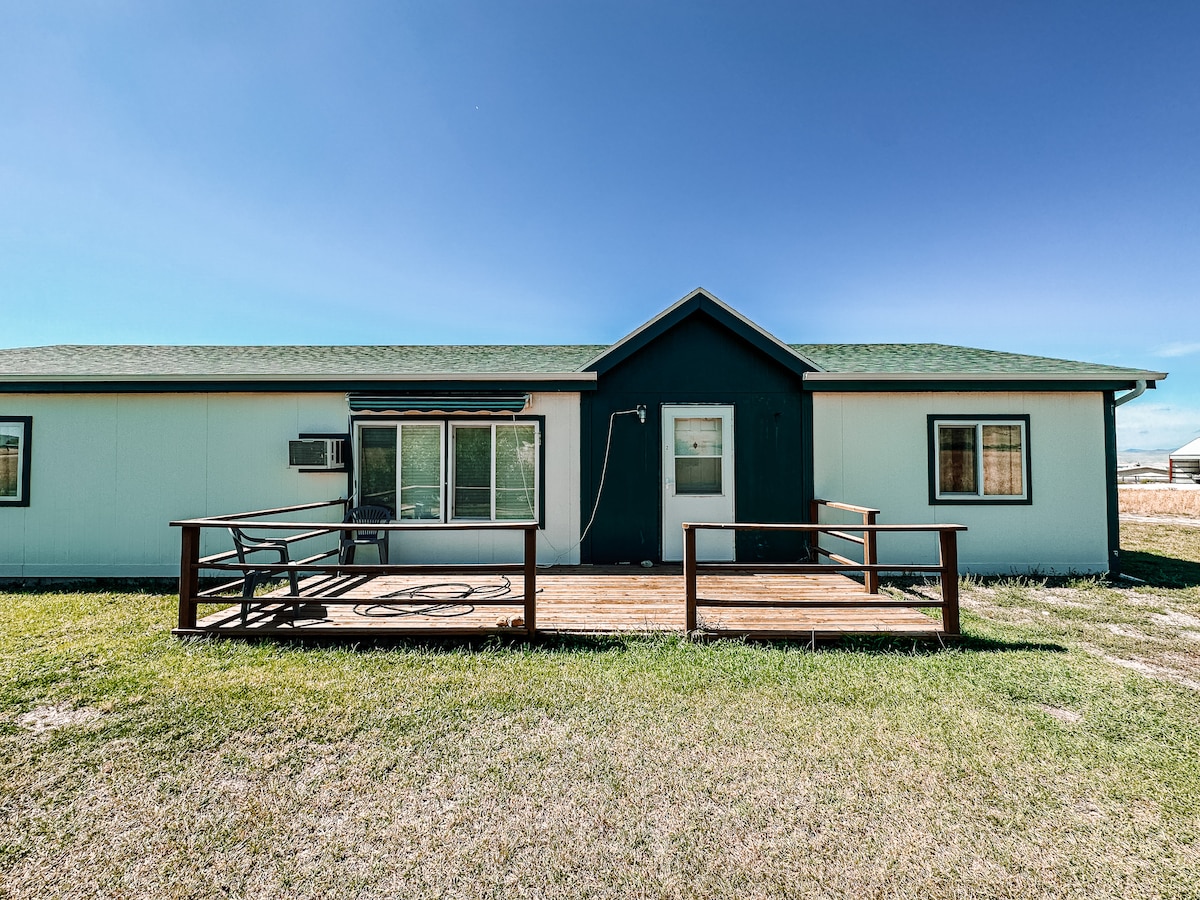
x: 402, y: 402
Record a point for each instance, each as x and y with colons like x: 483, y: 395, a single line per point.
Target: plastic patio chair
x: 244, y: 545
x: 365, y: 515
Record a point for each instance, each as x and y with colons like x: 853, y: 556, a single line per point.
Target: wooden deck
x: 568, y: 602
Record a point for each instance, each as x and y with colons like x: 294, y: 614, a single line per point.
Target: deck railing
x: 946, y: 568
x: 868, y: 541
x: 191, y: 564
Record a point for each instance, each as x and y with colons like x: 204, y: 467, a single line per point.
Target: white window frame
x: 937, y: 495
x: 447, y: 477
x: 450, y: 438
x: 400, y: 426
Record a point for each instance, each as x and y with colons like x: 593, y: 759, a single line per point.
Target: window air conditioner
x: 320, y: 453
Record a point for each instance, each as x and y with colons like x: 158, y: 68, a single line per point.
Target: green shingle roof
x: 131, y: 362
x: 164, y: 361
x: 945, y: 359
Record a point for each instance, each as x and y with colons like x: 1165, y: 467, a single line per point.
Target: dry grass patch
x: 1141, y: 627
x: 1159, y: 500
x: 59, y: 715
x: 1150, y: 625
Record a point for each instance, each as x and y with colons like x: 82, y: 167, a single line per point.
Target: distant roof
x: 1191, y: 448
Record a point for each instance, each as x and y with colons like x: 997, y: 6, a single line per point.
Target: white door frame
x: 714, y: 506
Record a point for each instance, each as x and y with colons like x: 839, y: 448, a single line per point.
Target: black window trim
x: 25, y: 462
x: 979, y: 500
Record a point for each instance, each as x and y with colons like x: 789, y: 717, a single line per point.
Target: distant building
x: 1184, y: 466
x: 1138, y: 474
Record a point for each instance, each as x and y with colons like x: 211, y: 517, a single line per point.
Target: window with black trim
x: 442, y: 471
x: 979, y: 459
x: 15, y: 456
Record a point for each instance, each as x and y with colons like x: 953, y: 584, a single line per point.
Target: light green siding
x: 110, y: 471
x: 872, y: 449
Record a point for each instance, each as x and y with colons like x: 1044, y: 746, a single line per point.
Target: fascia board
x: 984, y: 376
x: 272, y: 378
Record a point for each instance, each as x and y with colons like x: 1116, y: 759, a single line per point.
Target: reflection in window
x: 14, y: 461
x: 1002, y: 458
x: 377, y: 467
x: 516, y: 454
x: 473, y: 472
x: 957, y: 459
x: 420, y: 471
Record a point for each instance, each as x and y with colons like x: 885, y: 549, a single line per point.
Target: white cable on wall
x: 640, y: 412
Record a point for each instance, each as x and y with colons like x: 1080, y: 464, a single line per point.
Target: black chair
x: 365, y: 515
x: 244, y: 545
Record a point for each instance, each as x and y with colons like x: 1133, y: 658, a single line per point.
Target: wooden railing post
x: 870, y: 553
x: 814, y: 518
x: 948, y: 546
x: 689, y: 578
x: 531, y: 580
x: 189, y: 574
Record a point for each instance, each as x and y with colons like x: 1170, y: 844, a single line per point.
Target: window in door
x: 698, y: 451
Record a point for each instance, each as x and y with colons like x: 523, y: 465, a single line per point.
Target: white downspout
x: 1139, y: 388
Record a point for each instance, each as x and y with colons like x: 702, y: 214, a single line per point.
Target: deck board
x: 568, y: 602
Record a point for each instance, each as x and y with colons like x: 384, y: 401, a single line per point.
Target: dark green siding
x: 696, y: 361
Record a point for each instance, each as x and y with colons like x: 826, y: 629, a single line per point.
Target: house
x: 1184, y: 464
x: 1139, y: 474
x: 698, y: 415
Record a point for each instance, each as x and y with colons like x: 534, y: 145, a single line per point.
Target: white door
x: 697, y: 447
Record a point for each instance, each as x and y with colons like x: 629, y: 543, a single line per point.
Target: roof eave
x: 976, y: 382
x: 1131, y: 377
x: 278, y: 377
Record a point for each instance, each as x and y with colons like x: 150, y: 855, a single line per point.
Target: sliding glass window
x: 486, y: 471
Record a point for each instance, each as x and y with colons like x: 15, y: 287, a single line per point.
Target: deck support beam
x: 948, y: 547
x: 531, y: 581
x: 189, y: 575
x: 689, y: 579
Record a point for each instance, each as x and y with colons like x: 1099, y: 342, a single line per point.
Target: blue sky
x: 1018, y: 176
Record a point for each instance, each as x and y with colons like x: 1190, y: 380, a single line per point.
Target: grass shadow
x: 39, y: 586
x: 1160, y: 571
x: 890, y: 644
x: 868, y: 644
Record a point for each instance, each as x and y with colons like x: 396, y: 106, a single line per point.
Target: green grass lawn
x: 1054, y: 753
